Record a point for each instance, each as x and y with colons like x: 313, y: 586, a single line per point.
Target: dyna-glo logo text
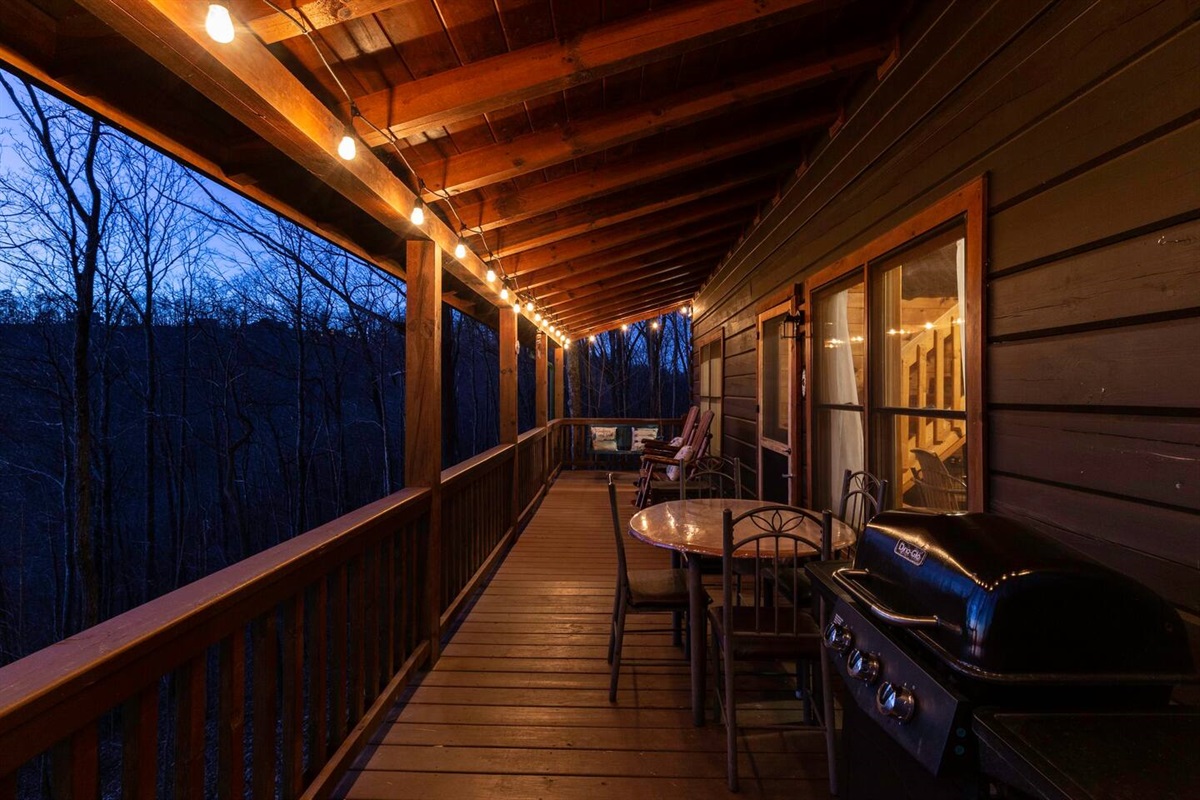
x: 910, y: 553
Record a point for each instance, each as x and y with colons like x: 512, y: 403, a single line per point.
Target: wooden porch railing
x: 276, y: 669
x: 572, y: 448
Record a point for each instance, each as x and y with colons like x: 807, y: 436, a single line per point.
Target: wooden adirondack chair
x: 655, y: 466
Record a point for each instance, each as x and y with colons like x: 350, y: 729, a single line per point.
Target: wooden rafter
x: 636, y: 267
x: 655, y: 226
x: 276, y: 26
x: 571, y: 313
x: 542, y: 69
x: 655, y: 251
x: 695, y: 265
x: 559, y: 194
x: 652, y: 308
x: 616, y: 209
x: 481, y: 167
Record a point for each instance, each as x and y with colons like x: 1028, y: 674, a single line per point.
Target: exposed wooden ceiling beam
x: 512, y: 78
x: 632, y: 319
x: 643, y: 169
x: 636, y: 266
x: 657, y: 250
x: 525, y: 154
x: 618, y: 208
x: 702, y: 263
x: 732, y: 205
x: 636, y: 312
x: 616, y: 302
x: 276, y: 26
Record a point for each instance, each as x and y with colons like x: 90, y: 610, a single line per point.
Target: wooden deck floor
x: 517, y: 707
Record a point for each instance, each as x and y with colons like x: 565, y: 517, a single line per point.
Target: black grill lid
x: 1010, y: 601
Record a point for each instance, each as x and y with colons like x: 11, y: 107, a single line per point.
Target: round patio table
x: 695, y: 528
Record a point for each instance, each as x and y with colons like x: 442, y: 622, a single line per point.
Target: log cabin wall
x: 1085, y: 117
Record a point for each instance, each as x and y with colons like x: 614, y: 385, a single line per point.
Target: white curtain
x: 837, y: 386
x: 960, y: 263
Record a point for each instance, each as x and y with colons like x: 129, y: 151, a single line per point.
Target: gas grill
x: 941, y: 615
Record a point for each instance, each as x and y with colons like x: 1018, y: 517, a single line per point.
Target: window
x: 710, y: 355
x: 897, y: 348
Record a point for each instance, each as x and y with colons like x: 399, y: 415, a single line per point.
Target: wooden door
x: 779, y: 381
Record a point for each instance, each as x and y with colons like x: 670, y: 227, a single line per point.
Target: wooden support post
x: 556, y: 444
x: 423, y: 413
x: 508, y: 397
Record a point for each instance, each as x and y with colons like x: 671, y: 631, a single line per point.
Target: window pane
x: 929, y: 476
x: 839, y: 448
x: 840, y: 345
x: 918, y: 327
x: 777, y: 358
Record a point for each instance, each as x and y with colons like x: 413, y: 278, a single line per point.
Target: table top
x: 694, y: 526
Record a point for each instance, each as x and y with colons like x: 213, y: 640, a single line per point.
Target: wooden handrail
x: 532, y: 433
x: 463, y: 470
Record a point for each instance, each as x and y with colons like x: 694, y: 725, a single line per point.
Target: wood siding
x: 1086, y: 119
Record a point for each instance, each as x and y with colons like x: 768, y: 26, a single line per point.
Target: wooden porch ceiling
x: 574, y: 143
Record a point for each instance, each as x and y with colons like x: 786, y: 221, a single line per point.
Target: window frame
x: 966, y: 205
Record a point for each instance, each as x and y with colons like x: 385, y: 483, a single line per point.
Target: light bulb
x: 219, y: 24
x: 567, y: 344
x: 529, y: 305
x: 624, y: 327
x: 654, y: 325
x: 460, y: 250
x: 417, y: 217
x: 491, y: 276
x: 537, y: 317
x: 683, y: 311
x: 347, y: 149
x: 516, y: 308
x: 504, y: 293
x: 592, y: 338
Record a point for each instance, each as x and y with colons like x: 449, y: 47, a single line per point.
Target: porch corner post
x: 542, y: 401
x: 423, y: 414
x: 508, y: 400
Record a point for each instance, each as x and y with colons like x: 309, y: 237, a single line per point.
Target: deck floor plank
x: 517, y: 706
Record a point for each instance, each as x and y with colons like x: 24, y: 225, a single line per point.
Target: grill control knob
x: 863, y: 666
x: 837, y: 637
x: 895, y: 702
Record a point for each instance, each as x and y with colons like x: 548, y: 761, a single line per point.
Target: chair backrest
x: 782, y: 538
x: 713, y: 477
x: 689, y: 423
x: 863, y: 496
x: 936, y: 486
x: 696, y: 448
x: 622, y: 568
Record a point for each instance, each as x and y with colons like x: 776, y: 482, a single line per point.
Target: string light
x: 592, y: 339
x: 537, y: 316
x: 516, y: 308
x: 654, y: 325
x: 624, y: 328
x: 347, y: 148
x: 219, y: 24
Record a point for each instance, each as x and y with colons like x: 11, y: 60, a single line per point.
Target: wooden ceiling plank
x: 659, y: 250
x: 277, y: 26
x: 655, y: 226
x: 619, y: 271
x: 481, y: 167
x: 553, y: 66
x: 569, y: 314
x: 615, y: 210
x: 556, y: 195
x: 637, y: 312
x: 632, y: 319
x: 681, y: 268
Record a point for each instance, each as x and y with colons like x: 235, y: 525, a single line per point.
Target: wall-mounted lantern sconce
x: 792, y: 326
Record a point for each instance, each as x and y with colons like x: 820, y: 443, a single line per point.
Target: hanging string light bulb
x: 491, y: 276
x: 529, y: 305
x: 460, y: 252
x: 219, y: 24
x: 654, y: 325
x: 516, y: 308
x: 417, y: 217
x: 347, y: 148
x: 503, y: 292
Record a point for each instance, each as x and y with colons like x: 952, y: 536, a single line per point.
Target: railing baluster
x: 266, y: 671
x: 370, y: 634
x: 292, y: 687
x: 338, y: 642
x: 318, y: 730
x: 389, y: 592
x: 356, y: 641
x: 189, y: 729
x: 139, y: 749
x: 231, y: 718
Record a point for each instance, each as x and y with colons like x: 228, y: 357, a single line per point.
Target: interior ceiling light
x: 417, y: 217
x: 219, y: 24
